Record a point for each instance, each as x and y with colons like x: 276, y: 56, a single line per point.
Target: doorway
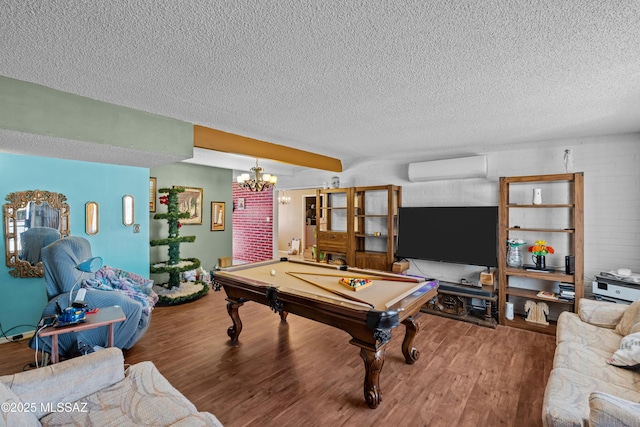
x: 309, y: 222
x: 296, y: 220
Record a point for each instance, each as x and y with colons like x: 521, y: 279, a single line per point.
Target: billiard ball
x: 273, y: 272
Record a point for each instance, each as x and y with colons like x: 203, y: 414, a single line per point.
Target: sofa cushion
x: 144, y: 397
x: 630, y: 322
x: 611, y: 411
x: 628, y: 355
x: 572, y: 329
x: 566, y: 397
x: 14, y: 412
x: 67, y: 381
x: 601, y: 313
x: 576, y: 357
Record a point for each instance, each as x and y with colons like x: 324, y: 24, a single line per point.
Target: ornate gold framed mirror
x: 32, y: 220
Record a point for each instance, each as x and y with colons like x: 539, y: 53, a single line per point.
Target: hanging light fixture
x: 284, y: 200
x: 259, y: 181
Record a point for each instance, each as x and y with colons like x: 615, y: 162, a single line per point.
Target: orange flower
x: 540, y: 248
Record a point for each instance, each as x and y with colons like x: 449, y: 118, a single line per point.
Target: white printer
x: 616, y: 286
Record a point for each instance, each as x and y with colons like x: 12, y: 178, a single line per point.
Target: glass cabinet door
x: 332, y: 210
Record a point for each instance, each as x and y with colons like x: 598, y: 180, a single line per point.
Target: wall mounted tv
x: 462, y: 235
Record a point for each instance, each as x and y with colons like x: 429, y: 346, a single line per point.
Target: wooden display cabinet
x: 334, y: 208
x: 359, y: 225
x: 562, y: 218
x: 375, y: 233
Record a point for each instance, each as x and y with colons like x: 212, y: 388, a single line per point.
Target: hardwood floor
x: 305, y: 373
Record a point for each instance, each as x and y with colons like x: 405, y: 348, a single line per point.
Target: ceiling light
x: 259, y: 181
x: 284, y: 200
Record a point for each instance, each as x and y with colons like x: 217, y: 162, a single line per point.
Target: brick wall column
x: 253, y: 225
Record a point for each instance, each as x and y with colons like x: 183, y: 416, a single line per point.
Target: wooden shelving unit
x: 334, y: 228
x: 520, y: 323
x: 376, y: 225
x: 359, y: 225
x: 512, y: 187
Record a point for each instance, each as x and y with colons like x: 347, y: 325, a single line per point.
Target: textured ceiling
x: 354, y: 80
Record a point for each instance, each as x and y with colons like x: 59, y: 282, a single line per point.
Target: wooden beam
x: 213, y: 139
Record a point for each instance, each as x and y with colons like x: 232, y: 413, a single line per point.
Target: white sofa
x: 583, y: 389
x: 96, y: 390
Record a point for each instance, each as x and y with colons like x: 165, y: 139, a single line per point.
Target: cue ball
x: 273, y: 272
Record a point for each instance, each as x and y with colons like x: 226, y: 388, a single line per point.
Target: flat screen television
x: 462, y: 235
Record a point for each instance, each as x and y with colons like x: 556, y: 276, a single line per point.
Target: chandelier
x: 284, y: 200
x: 259, y: 181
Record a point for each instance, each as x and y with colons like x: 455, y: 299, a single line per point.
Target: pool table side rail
x: 352, y: 321
x: 336, y: 268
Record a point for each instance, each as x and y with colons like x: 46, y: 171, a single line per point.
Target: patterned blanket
x: 133, y: 285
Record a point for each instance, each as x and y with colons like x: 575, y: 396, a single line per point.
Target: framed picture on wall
x: 217, y: 216
x: 190, y: 200
x: 240, y: 203
x: 153, y: 182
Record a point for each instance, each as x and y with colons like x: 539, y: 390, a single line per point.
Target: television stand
x: 454, y: 301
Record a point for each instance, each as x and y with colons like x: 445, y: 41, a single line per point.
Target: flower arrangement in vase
x: 540, y: 249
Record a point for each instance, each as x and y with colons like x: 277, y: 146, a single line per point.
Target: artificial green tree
x: 175, y: 265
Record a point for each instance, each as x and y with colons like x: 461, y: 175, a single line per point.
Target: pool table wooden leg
x: 373, y: 361
x: 232, y: 309
x: 283, y: 316
x: 411, y: 354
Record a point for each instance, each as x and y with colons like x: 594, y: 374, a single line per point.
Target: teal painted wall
x: 209, y: 245
x: 22, y: 300
x: 27, y: 107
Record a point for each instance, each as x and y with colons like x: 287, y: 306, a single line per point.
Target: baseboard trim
x: 25, y: 336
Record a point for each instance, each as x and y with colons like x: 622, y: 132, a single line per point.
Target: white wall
x: 611, y: 166
x: 291, y: 218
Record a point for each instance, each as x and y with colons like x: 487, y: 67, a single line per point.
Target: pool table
x: 313, y: 291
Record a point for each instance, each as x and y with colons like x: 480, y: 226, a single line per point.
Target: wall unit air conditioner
x: 463, y: 167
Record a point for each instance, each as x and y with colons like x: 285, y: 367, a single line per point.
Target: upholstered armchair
x: 104, y: 288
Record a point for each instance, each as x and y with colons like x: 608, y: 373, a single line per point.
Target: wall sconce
x: 92, y: 225
x: 127, y: 210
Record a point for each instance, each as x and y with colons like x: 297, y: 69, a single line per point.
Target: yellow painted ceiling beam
x: 213, y: 139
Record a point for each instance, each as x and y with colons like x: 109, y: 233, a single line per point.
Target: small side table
x: 106, y: 316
